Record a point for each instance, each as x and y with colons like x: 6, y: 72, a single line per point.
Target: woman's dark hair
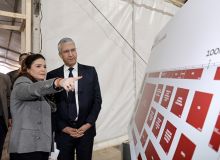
x: 26, y: 64
x: 23, y: 54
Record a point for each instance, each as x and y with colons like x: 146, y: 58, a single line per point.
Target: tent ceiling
x: 10, y: 41
x: 178, y: 3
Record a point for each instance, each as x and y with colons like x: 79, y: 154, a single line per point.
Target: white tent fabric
x: 116, y: 37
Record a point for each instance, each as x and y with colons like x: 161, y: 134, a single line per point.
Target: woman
x: 31, y: 136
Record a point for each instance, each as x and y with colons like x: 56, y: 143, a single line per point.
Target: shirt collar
x: 66, y: 68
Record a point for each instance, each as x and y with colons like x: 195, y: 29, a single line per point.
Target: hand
x: 69, y: 130
x: 72, y: 132
x: 68, y: 83
x: 84, y: 128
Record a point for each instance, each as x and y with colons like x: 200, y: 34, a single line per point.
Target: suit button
x: 37, y: 138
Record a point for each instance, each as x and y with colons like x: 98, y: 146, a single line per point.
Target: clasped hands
x: 76, y: 133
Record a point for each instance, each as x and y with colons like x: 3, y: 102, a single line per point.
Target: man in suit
x: 76, y: 111
x: 14, y: 74
x: 4, y: 94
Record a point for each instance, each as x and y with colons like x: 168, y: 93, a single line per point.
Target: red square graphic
x: 217, y: 74
x: 151, y: 116
x: 151, y: 153
x: 185, y: 149
x: 158, y: 93
x: 144, y: 105
x: 217, y: 125
x: 182, y: 74
x: 215, y: 139
x: 198, y: 110
x: 166, y: 96
x: 176, y: 74
x: 164, y: 74
x: 139, y: 157
x: 173, y: 74
x: 134, y: 137
x: 167, y: 137
x: 193, y: 73
x: 154, y: 74
x: 157, y: 124
x: 144, y: 138
x: 179, y: 101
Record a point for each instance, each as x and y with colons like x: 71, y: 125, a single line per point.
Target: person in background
x: 31, y: 137
x: 77, y: 111
x: 4, y: 94
x: 13, y: 75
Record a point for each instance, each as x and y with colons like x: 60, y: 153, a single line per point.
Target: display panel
x: 187, y: 124
x: 182, y: 119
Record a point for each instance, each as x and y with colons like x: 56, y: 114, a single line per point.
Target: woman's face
x: 38, y: 69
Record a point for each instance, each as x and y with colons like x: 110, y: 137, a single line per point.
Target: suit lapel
x: 60, y: 74
x: 80, y: 82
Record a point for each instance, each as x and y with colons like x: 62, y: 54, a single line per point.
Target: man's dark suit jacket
x: 89, y: 98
